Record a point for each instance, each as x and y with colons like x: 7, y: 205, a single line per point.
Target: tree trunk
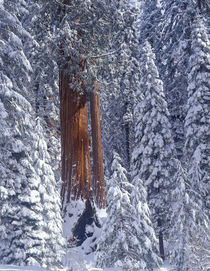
x: 76, y: 171
x: 98, y: 170
x: 161, y: 243
x: 75, y: 150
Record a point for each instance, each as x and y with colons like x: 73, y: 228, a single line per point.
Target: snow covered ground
x: 21, y: 268
x: 82, y: 258
x: 77, y: 260
x: 88, y: 268
x: 166, y: 267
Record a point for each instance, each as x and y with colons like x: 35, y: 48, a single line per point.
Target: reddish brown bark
x: 76, y: 172
x: 98, y: 170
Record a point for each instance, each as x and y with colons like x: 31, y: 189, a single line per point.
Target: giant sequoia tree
x: 81, y: 43
x: 74, y: 86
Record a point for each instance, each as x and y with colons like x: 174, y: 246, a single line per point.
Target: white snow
x: 20, y: 268
x: 79, y: 262
x: 73, y: 211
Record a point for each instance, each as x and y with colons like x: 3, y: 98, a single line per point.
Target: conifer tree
x: 124, y: 82
x: 83, y: 33
x: 167, y: 26
x: 154, y: 146
x: 197, y: 120
x: 30, y: 219
x: 188, y: 231
x: 49, y: 190
x: 127, y: 240
x: 182, y: 221
x: 15, y: 167
x: 40, y: 22
x: 129, y: 77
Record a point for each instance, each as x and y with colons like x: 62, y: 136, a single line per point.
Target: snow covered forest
x: 105, y: 135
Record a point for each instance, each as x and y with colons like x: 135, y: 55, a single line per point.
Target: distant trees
x: 129, y: 75
x: 119, y: 94
x: 167, y: 27
x: 197, y: 137
x: 177, y: 44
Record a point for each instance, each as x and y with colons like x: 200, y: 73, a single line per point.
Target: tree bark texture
x: 76, y: 171
x: 98, y: 170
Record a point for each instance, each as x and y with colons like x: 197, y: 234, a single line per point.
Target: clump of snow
x: 73, y: 211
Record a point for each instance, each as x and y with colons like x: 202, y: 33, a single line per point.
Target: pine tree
x: 49, y: 190
x: 182, y: 221
x: 197, y: 120
x: 188, y: 231
x: 127, y: 240
x: 167, y: 26
x: 41, y: 51
x: 118, y: 112
x: 15, y: 167
x: 25, y: 188
x: 154, y: 146
x: 129, y: 77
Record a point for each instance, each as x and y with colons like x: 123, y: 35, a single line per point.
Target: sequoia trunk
x: 98, y: 171
x: 76, y: 172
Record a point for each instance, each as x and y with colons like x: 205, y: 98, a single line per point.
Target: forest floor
x: 77, y: 260
x: 81, y: 258
x: 87, y: 268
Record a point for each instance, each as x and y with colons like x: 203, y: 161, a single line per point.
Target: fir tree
x: 154, y: 146
x: 124, y: 70
x: 167, y: 26
x: 41, y: 51
x: 127, y: 240
x: 182, y: 221
x: 49, y: 190
x: 26, y: 184
x: 197, y: 146
x: 15, y: 167
x: 188, y: 231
